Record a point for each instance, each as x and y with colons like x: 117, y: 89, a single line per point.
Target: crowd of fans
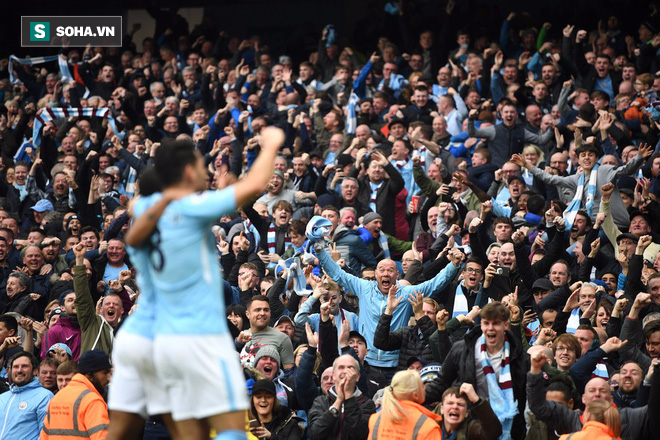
x: 492, y: 266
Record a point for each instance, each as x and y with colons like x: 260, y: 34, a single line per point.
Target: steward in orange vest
x: 78, y: 411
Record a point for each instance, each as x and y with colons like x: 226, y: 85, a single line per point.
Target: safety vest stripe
x: 97, y: 428
x: 418, y: 425
x: 375, y: 436
x: 76, y: 406
x: 66, y: 432
x: 76, y: 433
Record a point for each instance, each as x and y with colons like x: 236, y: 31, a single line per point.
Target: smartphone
x: 451, y: 191
x: 254, y: 423
x: 502, y: 271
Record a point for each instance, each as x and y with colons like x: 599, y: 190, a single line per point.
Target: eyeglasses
x: 560, y: 349
x: 473, y: 270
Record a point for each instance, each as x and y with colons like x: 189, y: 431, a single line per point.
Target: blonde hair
x: 534, y: 149
x: 604, y: 412
x: 404, y: 385
x: 317, y: 362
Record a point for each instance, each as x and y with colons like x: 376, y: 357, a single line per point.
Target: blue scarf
x: 351, y: 119
x: 500, y: 392
x: 573, y: 208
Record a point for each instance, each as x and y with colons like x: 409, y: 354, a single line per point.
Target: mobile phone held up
x: 502, y: 271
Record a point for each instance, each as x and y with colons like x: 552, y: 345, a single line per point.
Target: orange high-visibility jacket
x: 421, y: 424
x: 592, y: 431
x: 76, y: 412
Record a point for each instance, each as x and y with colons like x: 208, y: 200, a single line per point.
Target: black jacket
x: 406, y: 339
x: 459, y: 367
x: 385, y: 197
x: 285, y: 426
x: 352, y: 422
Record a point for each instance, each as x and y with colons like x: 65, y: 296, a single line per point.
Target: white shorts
x: 134, y: 387
x: 202, y: 375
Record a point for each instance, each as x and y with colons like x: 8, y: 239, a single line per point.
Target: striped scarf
x: 61, y: 61
x: 500, y: 391
x: 422, y: 156
x: 374, y: 194
x: 461, y: 305
x: 400, y: 164
x: 131, y: 180
x: 21, y: 155
x: 573, y: 321
x: 382, y: 241
x: 49, y: 114
x: 249, y: 228
x: 295, y: 268
x: 601, y: 371
x: 573, y: 208
x: 351, y: 120
x: 271, y: 238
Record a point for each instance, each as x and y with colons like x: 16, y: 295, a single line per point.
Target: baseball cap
x: 627, y: 235
x: 543, y: 284
x: 42, y: 205
x: 264, y: 385
x: 515, y: 177
x: 413, y: 359
x: 636, y: 213
x: 62, y: 346
x: 356, y: 334
x: 282, y: 319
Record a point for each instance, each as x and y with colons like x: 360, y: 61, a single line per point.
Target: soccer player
x: 135, y: 391
x: 207, y: 390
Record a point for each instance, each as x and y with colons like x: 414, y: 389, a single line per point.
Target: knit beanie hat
x: 371, y: 216
x: 267, y: 350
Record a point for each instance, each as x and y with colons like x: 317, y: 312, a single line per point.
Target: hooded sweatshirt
x: 23, y: 410
x: 67, y: 331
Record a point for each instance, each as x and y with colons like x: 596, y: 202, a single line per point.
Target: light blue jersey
x: 184, y: 264
x: 141, y: 321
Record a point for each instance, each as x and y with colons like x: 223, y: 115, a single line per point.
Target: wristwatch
x: 334, y: 411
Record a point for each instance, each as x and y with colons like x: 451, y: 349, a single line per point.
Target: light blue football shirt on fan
x: 184, y: 264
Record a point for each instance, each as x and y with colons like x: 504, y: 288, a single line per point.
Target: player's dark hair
x: 172, y: 158
x: 149, y: 182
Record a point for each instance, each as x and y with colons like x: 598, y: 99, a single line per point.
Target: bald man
x: 563, y: 420
x: 373, y: 297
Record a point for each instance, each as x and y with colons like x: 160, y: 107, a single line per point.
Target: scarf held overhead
x: 50, y: 114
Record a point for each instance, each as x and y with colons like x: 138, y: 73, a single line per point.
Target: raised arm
x: 86, y: 311
x: 344, y: 279
x: 485, y: 132
x: 245, y: 189
x: 569, y: 181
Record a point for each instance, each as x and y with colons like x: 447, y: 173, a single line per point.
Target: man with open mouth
x: 491, y: 359
x: 373, y: 299
x: 459, y: 421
